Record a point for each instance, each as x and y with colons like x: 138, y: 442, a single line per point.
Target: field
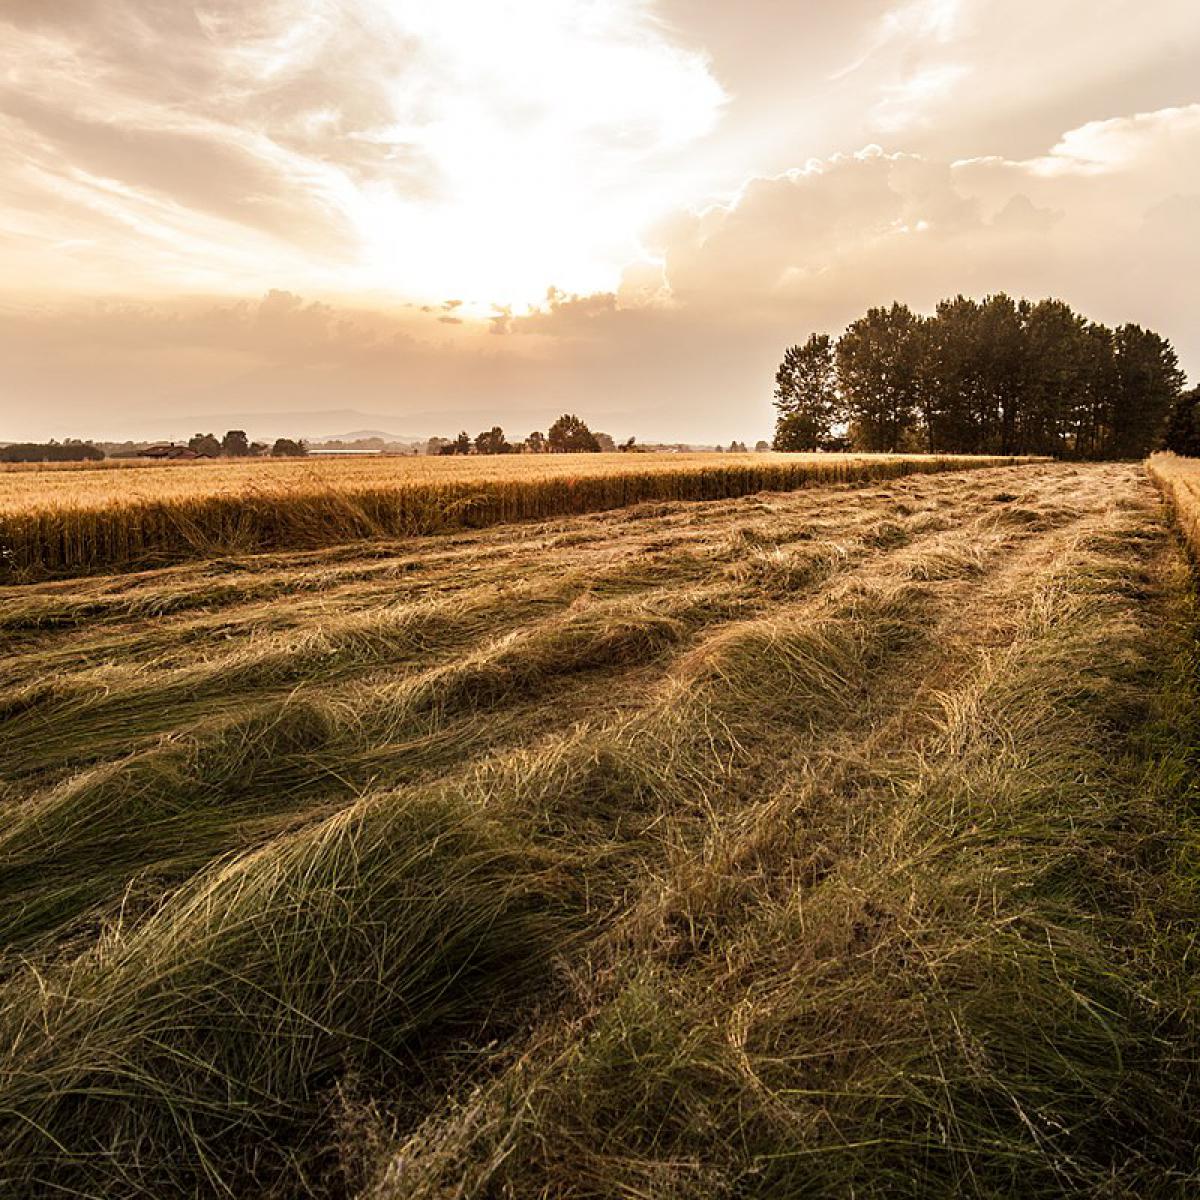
x: 73, y: 519
x: 838, y: 841
x: 1179, y: 481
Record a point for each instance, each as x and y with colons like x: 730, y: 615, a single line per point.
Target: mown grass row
x: 64, y: 538
x: 198, y: 1048
x: 1179, y: 481
x: 881, y: 886
x: 958, y: 965
x: 269, y: 722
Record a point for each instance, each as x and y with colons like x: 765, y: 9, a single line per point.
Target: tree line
x: 993, y: 376
x: 568, y: 435
x: 68, y: 450
x: 235, y: 444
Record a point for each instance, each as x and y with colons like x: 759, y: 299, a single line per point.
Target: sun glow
x: 482, y: 149
x: 538, y: 129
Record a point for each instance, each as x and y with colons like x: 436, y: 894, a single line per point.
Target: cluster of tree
x: 1183, y: 428
x: 568, y: 435
x: 235, y: 444
x: 995, y: 376
x: 70, y: 450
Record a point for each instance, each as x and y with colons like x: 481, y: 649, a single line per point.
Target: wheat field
x: 1179, y: 481
x: 822, y: 842
x: 63, y: 521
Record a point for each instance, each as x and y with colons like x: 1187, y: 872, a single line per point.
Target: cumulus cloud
x: 872, y: 224
x: 812, y: 248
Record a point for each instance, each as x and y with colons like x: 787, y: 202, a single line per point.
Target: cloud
x: 812, y: 248
x: 1122, y: 144
x: 874, y: 223
x: 687, y: 344
x: 1021, y: 215
x: 248, y: 207
x: 910, y: 101
x: 949, y: 71
x: 482, y: 147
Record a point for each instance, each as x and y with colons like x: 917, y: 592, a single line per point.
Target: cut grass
x: 958, y: 967
x: 810, y: 850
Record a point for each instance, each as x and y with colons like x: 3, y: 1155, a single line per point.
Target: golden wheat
x: 69, y: 522
x: 1179, y: 481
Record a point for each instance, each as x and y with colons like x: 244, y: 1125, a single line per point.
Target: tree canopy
x: 570, y: 435
x: 1183, y: 430
x: 235, y: 444
x: 71, y: 450
x: 991, y: 376
x: 492, y: 441
x: 205, y: 444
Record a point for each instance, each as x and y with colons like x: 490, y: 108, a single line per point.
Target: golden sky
x: 313, y: 216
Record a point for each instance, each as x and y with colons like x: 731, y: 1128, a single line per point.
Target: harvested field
x: 70, y: 519
x: 829, y: 842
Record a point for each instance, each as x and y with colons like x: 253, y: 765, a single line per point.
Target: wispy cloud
x: 403, y: 146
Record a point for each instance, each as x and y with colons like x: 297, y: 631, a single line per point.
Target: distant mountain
x: 314, y: 426
x: 362, y: 434
x: 267, y: 425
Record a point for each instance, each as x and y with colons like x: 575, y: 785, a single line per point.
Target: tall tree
x: 806, y: 395
x: 878, y: 370
x: 1183, y: 426
x: 1090, y: 403
x: 235, y: 444
x: 949, y: 400
x: 1052, y: 375
x: 570, y: 435
x: 999, y: 351
x: 492, y: 441
x: 1148, y: 385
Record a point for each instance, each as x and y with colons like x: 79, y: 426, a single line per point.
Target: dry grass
x: 1179, y: 481
x: 63, y: 521
x: 824, y: 843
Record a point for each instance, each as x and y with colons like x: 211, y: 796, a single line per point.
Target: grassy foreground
x: 832, y: 843
x: 63, y: 521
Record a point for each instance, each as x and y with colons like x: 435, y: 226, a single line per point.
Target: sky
x: 308, y: 217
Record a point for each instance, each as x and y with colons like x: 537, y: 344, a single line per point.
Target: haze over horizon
x: 624, y: 208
